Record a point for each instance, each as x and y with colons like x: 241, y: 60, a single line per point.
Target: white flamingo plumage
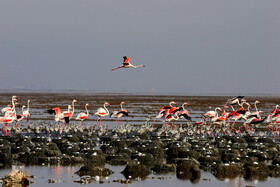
x: 117, y: 114
x: 82, y: 116
x: 101, y: 112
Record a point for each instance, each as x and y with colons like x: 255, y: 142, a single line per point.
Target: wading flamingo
x: 120, y: 113
x: 82, y: 116
x: 101, y: 112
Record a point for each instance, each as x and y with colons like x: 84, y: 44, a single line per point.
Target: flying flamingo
x: 126, y: 64
x: 82, y: 116
x: 118, y: 114
x: 234, y: 100
x: 101, y: 112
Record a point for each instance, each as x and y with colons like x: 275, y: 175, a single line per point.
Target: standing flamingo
x: 101, y: 112
x: 20, y: 116
x: 82, y: 116
x: 9, y: 116
x: 184, y: 113
x: 26, y: 113
x: 70, y: 113
x: 120, y: 113
x: 162, y: 110
x: 126, y: 64
x: 9, y: 107
x: 210, y: 114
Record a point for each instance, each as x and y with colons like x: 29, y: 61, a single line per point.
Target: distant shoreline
x: 92, y: 92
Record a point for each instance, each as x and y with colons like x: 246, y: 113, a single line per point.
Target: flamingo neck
x: 183, y: 106
x: 87, y: 110
x: 121, y: 106
x: 106, y: 108
x: 28, y: 105
x: 256, y: 107
x: 14, y: 107
x: 249, y: 108
x: 73, y: 103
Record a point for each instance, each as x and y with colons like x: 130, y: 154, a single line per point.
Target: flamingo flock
x: 223, y: 119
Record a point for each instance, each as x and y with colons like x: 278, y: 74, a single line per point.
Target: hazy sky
x: 187, y: 46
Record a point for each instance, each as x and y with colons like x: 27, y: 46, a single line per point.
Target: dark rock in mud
x: 94, y: 171
x: 106, y: 138
x: 239, y: 146
x: 118, y: 159
x: 145, y: 159
x: 230, y: 155
x: 95, y: 159
x: 173, y: 151
x: 251, y: 139
x: 274, y: 171
x: 236, y: 139
x: 249, y: 160
x: 161, y: 168
x: 136, y: 170
x: 108, y: 149
x: 188, y: 170
x: 67, y: 160
x: 73, y: 138
x: 222, y: 171
x: 120, y: 144
x: 262, y: 156
x: 127, y: 151
x: 256, y: 171
x: 209, y: 160
x: 276, y: 161
x: 268, y: 141
x: 5, y: 154
x: 157, y: 152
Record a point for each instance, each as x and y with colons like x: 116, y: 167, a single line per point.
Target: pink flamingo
x: 126, y: 64
x: 20, y: 116
x: 120, y: 113
x: 82, y: 116
x: 162, y: 110
x: 101, y: 112
x: 184, y: 113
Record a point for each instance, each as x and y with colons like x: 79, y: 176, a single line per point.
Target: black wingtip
x: 51, y: 111
x: 66, y: 119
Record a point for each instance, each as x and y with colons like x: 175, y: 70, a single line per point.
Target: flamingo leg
x: 213, y: 130
x: 116, y: 68
x: 118, y: 121
x: 97, y: 121
x: 154, y: 122
x: 115, y: 123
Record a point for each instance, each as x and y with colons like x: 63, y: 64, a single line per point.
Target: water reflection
x: 65, y: 176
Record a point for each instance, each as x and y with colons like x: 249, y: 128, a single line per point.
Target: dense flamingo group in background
x: 223, y: 119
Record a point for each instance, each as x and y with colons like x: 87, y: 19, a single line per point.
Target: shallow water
x: 141, y: 108
x: 65, y: 176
